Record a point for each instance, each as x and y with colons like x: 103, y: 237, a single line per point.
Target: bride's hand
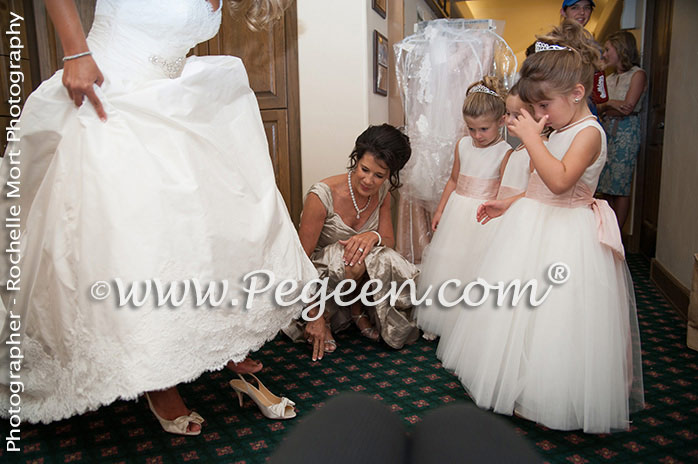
x: 79, y: 76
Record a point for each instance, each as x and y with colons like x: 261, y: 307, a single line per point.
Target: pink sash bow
x: 607, y: 227
x: 578, y: 196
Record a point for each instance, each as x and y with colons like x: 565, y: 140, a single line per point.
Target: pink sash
x: 505, y: 192
x: 474, y: 187
x: 580, y: 196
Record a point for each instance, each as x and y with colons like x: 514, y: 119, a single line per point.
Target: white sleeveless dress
x: 574, y: 361
x: 176, y: 185
x: 516, y: 174
x: 459, y: 240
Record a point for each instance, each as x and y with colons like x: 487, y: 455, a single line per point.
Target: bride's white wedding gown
x: 177, y: 184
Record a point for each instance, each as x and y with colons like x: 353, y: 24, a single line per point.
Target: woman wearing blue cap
x: 578, y: 10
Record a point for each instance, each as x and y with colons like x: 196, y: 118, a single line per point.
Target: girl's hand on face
x: 525, y: 126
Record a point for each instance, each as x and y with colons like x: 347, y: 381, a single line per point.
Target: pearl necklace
x: 572, y: 124
x: 353, y: 198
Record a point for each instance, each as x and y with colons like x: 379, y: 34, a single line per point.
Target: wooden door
x: 271, y: 59
x: 649, y: 167
x: 28, y: 62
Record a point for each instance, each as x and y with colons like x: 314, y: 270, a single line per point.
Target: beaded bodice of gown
x: 136, y: 38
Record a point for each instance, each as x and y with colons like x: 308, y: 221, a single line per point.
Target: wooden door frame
x: 638, y: 203
x: 634, y: 242
x: 294, y: 119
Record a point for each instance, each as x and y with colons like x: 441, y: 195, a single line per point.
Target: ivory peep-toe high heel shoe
x: 272, y: 406
x: 179, y: 425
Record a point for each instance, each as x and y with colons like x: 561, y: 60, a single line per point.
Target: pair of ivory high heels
x: 271, y: 406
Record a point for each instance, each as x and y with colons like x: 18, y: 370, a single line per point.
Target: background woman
x: 620, y: 116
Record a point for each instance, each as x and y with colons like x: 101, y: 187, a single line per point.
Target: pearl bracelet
x: 380, y: 239
x: 78, y: 55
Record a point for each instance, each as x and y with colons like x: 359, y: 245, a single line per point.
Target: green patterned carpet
x: 410, y: 382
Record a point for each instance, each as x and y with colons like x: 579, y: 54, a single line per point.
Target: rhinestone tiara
x: 546, y: 47
x: 483, y: 89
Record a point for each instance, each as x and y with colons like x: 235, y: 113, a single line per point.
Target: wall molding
x: 674, y: 291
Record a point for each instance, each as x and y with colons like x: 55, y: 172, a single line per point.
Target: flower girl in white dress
x: 516, y: 166
x: 459, y: 239
x: 574, y: 361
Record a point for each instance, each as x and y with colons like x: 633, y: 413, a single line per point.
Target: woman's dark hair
x: 388, y: 145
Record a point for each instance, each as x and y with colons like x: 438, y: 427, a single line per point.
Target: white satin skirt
x: 176, y: 185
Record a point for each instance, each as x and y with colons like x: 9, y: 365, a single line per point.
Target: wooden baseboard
x: 674, y: 291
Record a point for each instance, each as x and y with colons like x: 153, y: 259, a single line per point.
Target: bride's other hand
x: 79, y: 77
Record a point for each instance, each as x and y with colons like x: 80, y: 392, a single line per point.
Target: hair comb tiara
x: 483, y: 89
x: 546, y: 47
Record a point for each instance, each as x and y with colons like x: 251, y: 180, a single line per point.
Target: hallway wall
x: 332, y: 77
x: 335, y: 62
x: 677, y: 233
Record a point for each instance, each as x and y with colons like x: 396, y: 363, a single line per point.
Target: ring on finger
x: 361, y: 250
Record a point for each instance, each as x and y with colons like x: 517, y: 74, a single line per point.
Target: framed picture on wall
x: 381, y: 85
x: 379, y: 6
x: 380, y: 63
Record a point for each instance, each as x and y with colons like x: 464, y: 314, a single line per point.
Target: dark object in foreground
x: 355, y: 428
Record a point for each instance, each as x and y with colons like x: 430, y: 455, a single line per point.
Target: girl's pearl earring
x: 576, y: 100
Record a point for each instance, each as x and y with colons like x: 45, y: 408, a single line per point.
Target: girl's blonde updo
x: 484, y: 104
x: 560, y: 71
x: 260, y: 13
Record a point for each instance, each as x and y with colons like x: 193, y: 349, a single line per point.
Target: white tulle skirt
x: 455, y: 252
x: 176, y: 185
x: 574, y: 361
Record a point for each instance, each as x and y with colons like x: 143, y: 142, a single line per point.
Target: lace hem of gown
x: 99, y: 371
